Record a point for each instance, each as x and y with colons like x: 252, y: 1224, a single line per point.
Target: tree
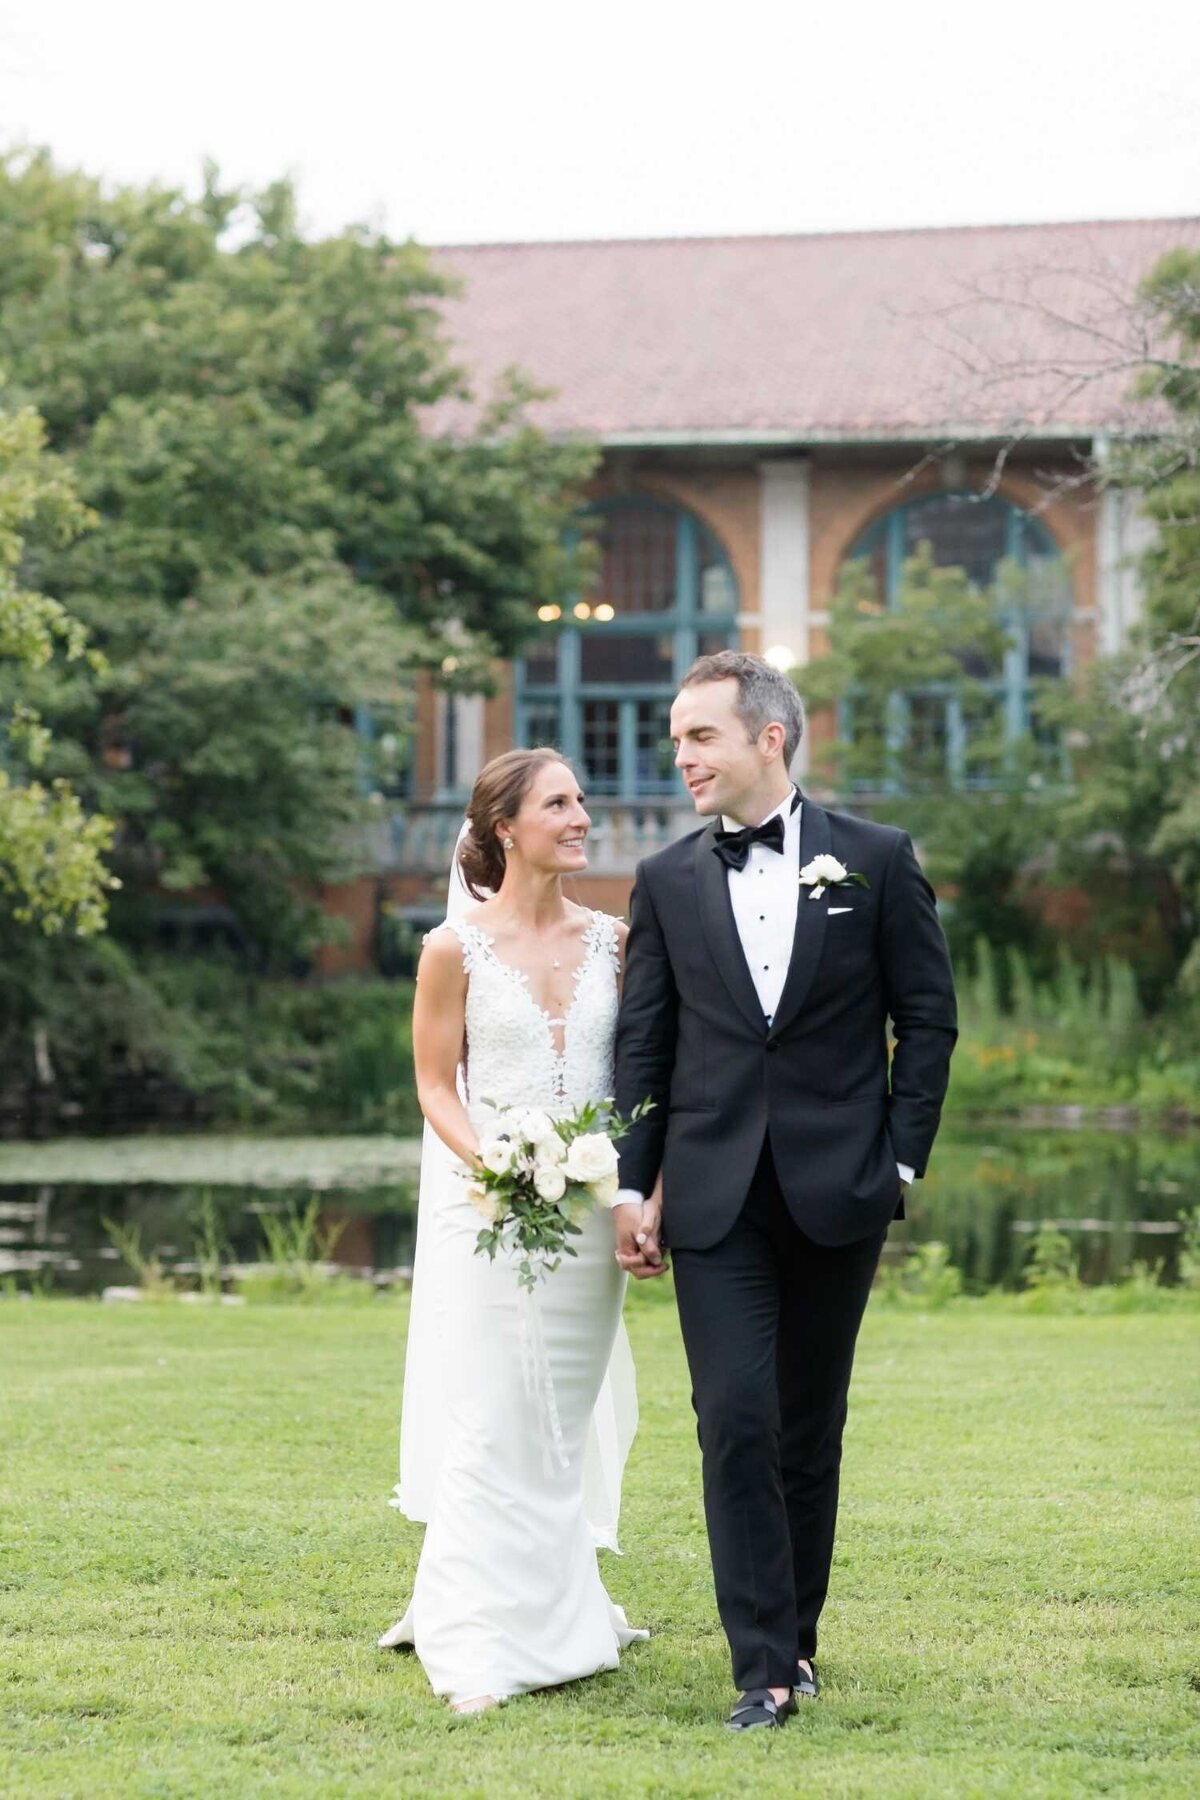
x: 894, y: 676
x: 52, y: 873
x: 282, y: 534
x: 1122, y: 830
x: 1131, y: 828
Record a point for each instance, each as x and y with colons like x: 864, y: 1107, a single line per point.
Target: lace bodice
x: 513, y: 1055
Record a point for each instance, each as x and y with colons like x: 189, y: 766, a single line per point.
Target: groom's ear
x: 771, y: 740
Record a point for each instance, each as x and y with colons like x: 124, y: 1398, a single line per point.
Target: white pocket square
x: 835, y: 910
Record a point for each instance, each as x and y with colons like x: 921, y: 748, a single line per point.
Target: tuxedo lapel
x: 815, y: 840
x: 716, y: 916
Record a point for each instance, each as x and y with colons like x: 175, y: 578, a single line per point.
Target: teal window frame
x: 684, y: 622
x: 1013, y: 688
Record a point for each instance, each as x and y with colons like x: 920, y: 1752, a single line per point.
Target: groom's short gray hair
x: 765, y: 695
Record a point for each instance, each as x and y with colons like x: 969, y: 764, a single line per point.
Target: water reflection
x: 1117, y: 1194
x: 58, y: 1238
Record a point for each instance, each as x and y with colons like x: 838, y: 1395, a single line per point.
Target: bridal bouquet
x: 538, y: 1176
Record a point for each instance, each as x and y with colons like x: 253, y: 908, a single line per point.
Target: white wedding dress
x: 518, y: 1410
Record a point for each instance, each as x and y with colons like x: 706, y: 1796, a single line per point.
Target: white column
x: 468, y: 734
x: 470, y: 738
x: 1123, y: 534
x: 784, y: 565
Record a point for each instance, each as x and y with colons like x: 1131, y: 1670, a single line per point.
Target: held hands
x: 638, y: 1231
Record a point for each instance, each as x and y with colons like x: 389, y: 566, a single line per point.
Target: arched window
x: 600, y: 682
x: 984, y: 538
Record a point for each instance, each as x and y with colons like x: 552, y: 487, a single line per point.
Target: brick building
x: 768, y: 408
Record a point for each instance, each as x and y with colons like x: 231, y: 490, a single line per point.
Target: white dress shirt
x: 764, y: 897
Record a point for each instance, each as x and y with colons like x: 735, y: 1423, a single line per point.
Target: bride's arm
x: 439, y: 1011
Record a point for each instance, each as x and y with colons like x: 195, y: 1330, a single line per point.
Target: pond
x: 65, y: 1205
x: 1118, y: 1194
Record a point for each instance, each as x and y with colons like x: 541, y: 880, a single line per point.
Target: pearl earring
x: 508, y: 844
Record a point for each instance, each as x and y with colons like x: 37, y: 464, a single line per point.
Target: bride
x: 519, y: 1409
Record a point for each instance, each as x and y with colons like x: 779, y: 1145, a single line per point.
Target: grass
x: 197, y: 1557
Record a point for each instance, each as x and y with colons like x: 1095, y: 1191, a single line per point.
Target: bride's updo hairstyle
x: 499, y: 790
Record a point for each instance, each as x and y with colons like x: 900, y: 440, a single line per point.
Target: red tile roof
x: 867, y: 335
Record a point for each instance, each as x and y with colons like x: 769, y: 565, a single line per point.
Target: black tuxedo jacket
x: 692, y: 1036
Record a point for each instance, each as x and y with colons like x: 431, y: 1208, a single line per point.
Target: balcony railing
x: 419, y: 839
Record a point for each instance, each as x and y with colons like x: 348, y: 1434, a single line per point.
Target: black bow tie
x: 733, y: 847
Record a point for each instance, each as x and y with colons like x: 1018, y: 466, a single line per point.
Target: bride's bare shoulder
x: 441, y: 954
x: 448, y: 948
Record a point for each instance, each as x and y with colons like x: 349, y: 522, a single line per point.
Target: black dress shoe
x: 757, y: 1709
x: 807, y: 1686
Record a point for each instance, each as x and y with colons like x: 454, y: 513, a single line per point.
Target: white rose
x: 606, y: 1189
x: 551, y: 1184
x: 550, y: 1153
x: 537, y: 1127
x: 591, y: 1156
x: 825, y: 869
x: 498, y: 1155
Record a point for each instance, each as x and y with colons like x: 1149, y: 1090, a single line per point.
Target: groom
x: 766, y: 954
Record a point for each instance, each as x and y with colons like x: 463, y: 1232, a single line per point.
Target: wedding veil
x: 435, y: 1318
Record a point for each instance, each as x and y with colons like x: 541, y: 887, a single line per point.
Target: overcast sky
x: 465, y: 123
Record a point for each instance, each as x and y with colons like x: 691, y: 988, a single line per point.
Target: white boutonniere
x: 827, y: 871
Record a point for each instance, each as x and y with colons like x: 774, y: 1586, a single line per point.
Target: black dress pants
x: 769, y: 1324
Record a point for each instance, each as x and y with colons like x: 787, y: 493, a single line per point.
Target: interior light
x: 604, y: 611
x: 781, y: 656
x: 548, y: 614
x: 582, y: 610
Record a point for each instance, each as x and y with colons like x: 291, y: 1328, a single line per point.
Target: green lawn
x: 196, y: 1557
